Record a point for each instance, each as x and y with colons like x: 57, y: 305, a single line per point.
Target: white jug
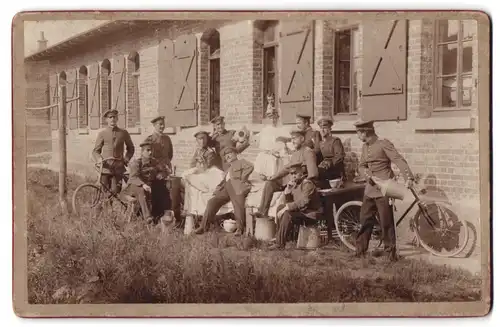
x: 189, y: 224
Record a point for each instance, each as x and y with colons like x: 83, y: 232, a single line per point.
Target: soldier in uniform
x: 222, y: 138
x: 313, y: 137
x: 161, y: 143
x: 110, y: 143
x: 162, y: 151
x: 234, y: 187
x: 303, y: 204
x: 302, y: 155
x: 143, y: 172
x: 376, y: 158
x: 332, y: 152
x: 203, y: 150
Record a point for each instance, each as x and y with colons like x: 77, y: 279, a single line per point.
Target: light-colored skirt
x: 199, y: 188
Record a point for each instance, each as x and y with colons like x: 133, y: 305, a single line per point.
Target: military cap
x: 109, y: 112
x: 297, y: 132
x: 325, y: 121
x: 304, y: 116
x: 218, y: 119
x: 200, y: 133
x: 299, y: 166
x: 364, y: 125
x: 227, y: 150
x: 157, y: 119
x: 146, y: 143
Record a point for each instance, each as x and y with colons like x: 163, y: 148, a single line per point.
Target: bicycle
x: 89, y: 198
x: 433, y: 225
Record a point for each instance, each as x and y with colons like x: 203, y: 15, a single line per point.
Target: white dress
x: 199, y: 187
x: 266, y: 162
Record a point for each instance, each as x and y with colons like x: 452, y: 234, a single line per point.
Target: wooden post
x: 62, y: 150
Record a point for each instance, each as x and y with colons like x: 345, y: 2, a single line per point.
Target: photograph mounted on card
x: 251, y: 164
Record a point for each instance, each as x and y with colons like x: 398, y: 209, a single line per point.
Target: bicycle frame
x: 418, y: 202
x: 100, y: 166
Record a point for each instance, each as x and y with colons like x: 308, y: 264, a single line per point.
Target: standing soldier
x: 162, y: 151
x: 332, y: 152
x: 110, y: 143
x: 223, y: 138
x: 376, y: 158
x: 312, y: 137
x: 161, y: 143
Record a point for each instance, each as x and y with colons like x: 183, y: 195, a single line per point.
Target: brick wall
x: 448, y: 156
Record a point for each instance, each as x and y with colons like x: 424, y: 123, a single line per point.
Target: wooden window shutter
x: 384, y: 70
x: 71, y: 93
x: 94, y: 97
x: 296, y: 46
x: 185, y: 88
x: 166, y: 82
x: 54, y: 99
x: 119, y: 89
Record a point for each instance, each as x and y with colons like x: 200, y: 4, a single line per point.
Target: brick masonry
x: 449, y: 158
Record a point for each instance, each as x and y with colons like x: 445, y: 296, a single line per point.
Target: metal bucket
x: 264, y: 229
x: 309, y: 238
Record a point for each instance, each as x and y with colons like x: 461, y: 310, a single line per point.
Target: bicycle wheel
x: 439, y: 230
x: 348, y: 224
x: 86, y: 199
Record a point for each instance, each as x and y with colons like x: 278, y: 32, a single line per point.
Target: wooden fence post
x: 62, y: 151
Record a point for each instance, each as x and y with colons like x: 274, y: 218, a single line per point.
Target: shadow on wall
x: 443, y: 214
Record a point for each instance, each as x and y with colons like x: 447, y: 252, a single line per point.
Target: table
x: 335, y: 198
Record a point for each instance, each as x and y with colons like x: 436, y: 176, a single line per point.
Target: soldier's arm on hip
x: 397, y: 159
x: 99, y: 143
x: 130, y: 147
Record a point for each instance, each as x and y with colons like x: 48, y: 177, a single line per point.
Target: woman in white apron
x: 202, y: 178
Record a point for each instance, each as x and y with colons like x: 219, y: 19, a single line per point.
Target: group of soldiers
x: 316, y: 158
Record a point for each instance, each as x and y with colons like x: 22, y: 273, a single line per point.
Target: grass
x: 105, y: 260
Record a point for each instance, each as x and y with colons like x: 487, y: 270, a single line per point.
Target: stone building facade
x: 417, y: 78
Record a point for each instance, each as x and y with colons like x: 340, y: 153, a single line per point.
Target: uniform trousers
x: 160, y: 198
x: 142, y: 196
x: 369, y: 208
x: 267, y: 195
x: 286, y: 222
x: 220, y: 198
x: 112, y: 182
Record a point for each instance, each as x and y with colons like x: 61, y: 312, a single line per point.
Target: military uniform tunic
x: 376, y: 159
x: 162, y: 149
x: 332, y: 165
x: 111, y: 142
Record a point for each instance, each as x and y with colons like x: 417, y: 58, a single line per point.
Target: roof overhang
x: 83, y: 38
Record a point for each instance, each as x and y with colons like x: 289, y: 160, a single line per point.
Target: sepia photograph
x: 246, y: 164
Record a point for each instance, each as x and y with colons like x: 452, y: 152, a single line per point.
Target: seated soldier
x: 234, y: 187
x: 332, y: 152
x: 303, y: 204
x: 143, y: 172
x: 302, y: 155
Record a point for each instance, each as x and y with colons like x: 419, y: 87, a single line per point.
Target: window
x: 270, y: 67
x: 453, y: 64
x: 214, y: 73
x: 105, y: 88
x: 346, y: 97
x: 133, y: 101
x: 83, y: 91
